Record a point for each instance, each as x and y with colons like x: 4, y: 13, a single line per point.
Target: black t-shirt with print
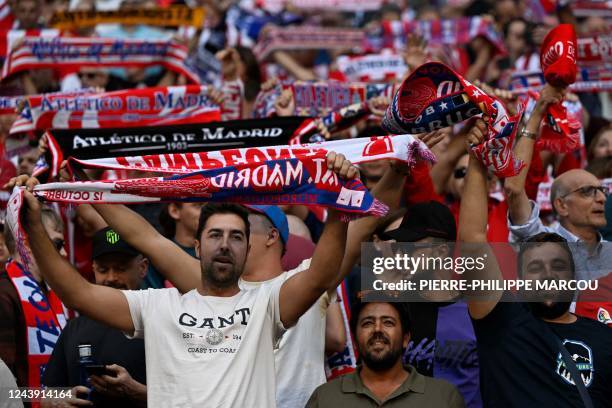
x: 521, y: 365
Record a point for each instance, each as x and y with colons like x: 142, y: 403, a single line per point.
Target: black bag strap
x: 571, y: 366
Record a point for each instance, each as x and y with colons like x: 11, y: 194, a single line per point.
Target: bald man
x: 577, y: 198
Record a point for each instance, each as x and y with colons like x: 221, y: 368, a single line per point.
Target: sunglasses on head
x: 460, y: 172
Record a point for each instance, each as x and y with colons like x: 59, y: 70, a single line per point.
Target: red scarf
x: 560, y: 132
x: 44, y: 319
x: 68, y: 52
x: 164, y: 105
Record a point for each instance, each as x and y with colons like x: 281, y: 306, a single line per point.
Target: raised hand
x: 341, y: 166
x: 285, y: 103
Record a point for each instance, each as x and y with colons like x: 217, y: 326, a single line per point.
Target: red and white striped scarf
x: 44, y: 319
x: 590, y: 79
x: 6, y: 23
x: 401, y: 147
x: 352, y: 6
x: 44, y: 315
x: 595, y: 8
x: 595, y: 50
x: 385, y: 66
x: 37, y: 52
x: 126, y: 108
x: 496, y: 151
x: 345, y: 361
x: 233, y: 96
x: 279, y: 175
x: 10, y: 104
x: 322, y: 97
x: 456, y: 31
x: 308, y: 38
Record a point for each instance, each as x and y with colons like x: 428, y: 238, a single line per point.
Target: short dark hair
x: 539, y: 239
x: 211, y: 209
x: 401, y: 307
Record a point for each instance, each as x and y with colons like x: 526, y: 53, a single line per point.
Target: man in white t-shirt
x: 300, y: 356
x: 212, y: 346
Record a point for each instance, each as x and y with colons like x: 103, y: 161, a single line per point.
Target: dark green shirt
x: 416, y: 391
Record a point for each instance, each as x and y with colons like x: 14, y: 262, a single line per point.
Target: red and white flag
x: 125, y: 108
x: 39, y: 52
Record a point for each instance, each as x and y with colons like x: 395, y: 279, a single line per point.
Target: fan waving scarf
x: 560, y: 131
x: 434, y: 97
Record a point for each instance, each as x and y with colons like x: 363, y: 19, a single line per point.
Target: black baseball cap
x: 422, y: 220
x: 107, y: 241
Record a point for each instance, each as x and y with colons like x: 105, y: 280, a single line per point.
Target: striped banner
x: 37, y: 52
x: 125, y: 108
x: 308, y: 38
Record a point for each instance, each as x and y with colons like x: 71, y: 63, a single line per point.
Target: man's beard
x: 221, y: 279
x: 381, y: 362
x: 552, y: 311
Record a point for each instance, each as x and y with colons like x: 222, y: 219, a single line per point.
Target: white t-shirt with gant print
x: 208, y: 351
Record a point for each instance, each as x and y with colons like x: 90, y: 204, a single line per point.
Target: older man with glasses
x: 577, y: 198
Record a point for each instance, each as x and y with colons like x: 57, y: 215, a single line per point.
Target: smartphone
x: 96, y: 369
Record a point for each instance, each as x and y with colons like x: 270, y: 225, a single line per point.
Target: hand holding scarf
x: 560, y: 132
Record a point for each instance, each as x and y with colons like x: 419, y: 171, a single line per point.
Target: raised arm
x: 473, y: 218
x: 299, y: 292
x: 335, y: 333
x: 389, y: 190
x: 105, y: 304
x: 180, y: 268
x: 443, y: 169
x: 519, y: 208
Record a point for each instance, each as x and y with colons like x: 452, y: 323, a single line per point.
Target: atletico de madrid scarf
x: 39, y: 52
x: 319, y: 98
x: 306, y: 38
x: 84, y: 144
x: 453, y: 32
x: 127, y: 108
x: 44, y: 318
x: 385, y: 66
x: 560, y: 132
x: 434, y: 96
x: 279, y: 175
x: 590, y: 79
x: 43, y: 313
x: 11, y: 104
x: 87, y: 144
x: 360, y: 150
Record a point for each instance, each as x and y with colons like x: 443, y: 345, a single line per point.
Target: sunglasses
x: 589, y: 191
x: 460, y: 172
x: 58, y: 244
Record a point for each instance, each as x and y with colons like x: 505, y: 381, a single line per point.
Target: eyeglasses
x: 58, y: 244
x: 460, y: 172
x: 588, y: 191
